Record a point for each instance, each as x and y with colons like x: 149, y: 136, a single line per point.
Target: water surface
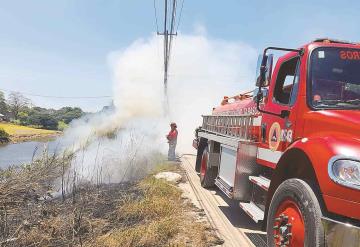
x: 19, y: 153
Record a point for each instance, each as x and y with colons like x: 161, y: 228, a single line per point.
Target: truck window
x: 334, y: 79
x: 287, y: 82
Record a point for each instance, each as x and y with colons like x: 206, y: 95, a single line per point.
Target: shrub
x: 15, y: 121
x: 62, y: 125
x: 4, y: 136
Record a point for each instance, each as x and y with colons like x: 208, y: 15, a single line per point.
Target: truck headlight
x: 345, y: 171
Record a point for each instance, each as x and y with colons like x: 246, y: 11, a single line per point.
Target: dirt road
x: 225, y: 215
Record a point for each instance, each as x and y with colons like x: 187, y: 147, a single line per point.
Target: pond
x: 19, y: 153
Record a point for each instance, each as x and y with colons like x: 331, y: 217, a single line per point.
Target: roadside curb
x: 222, y: 227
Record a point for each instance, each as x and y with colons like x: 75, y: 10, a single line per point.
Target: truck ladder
x: 234, y: 126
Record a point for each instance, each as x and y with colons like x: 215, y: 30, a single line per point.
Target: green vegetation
x: 18, y: 110
x: 18, y: 133
x: 62, y: 125
x: 3, y: 106
x: 4, y: 136
x: 49, y: 118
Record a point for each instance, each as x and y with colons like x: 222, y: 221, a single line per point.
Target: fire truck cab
x: 289, y: 151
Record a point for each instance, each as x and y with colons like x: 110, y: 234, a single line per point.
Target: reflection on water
x: 15, y: 154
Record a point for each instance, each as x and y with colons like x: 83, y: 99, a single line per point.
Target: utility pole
x: 167, y: 48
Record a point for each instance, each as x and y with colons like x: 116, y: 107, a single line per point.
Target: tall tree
x: 16, y: 103
x: 3, y: 106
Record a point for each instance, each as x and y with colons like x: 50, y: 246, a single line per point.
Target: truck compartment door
x: 227, y: 164
x: 245, y: 166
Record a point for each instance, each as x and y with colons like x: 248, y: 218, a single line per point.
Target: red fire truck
x: 289, y: 151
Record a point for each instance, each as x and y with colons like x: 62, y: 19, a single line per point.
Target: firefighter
x: 172, y: 140
x: 225, y: 100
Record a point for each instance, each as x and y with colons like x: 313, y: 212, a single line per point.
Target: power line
x: 181, y: 9
x: 168, y: 37
x: 156, y: 20
x: 173, y: 18
x: 169, y: 32
x: 58, y: 97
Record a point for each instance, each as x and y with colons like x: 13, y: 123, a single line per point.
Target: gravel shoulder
x: 224, y: 215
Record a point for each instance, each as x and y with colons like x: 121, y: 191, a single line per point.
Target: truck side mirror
x: 263, y: 70
x: 259, y: 95
x: 257, y: 74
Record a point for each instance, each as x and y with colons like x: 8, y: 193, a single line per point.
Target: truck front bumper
x: 340, y: 234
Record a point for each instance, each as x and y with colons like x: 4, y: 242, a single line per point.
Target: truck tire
x: 294, y: 217
x: 203, y: 143
x: 207, y: 173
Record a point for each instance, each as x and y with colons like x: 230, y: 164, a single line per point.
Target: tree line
x: 16, y: 108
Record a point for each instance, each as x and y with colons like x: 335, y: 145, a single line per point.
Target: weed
x: 148, y: 213
x: 159, y: 217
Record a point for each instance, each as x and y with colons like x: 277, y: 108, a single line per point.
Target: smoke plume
x: 202, y: 70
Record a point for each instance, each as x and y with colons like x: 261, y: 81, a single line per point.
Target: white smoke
x: 202, y: 71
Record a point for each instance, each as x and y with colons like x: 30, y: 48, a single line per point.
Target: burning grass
x: 148, y: 212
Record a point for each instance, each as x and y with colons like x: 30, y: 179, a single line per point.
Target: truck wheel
x: 202, y: 145
x: 294, y: 217
x: 207, y: 173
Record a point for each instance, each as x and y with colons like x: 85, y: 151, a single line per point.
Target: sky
x: 62, y: 48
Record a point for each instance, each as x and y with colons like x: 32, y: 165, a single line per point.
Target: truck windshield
x: 335, y: 78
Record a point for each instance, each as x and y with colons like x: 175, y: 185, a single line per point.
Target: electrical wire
x: 172, y: 25
x: 156, y: 20
x: 168, y: 40
x: 181, y: 9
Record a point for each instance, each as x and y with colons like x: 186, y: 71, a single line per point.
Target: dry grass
x: 160, y: 199
x: 76, y: 224
x: 165, y: 166
x: 155, y: 233
x: 159, y: 218
x: 14, y: 129
x: 31, y: 182
x: 24, y: 193
x: 148, y: 213
x: 20, y: 133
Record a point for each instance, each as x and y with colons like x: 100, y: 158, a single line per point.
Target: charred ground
x: 147, y: 212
